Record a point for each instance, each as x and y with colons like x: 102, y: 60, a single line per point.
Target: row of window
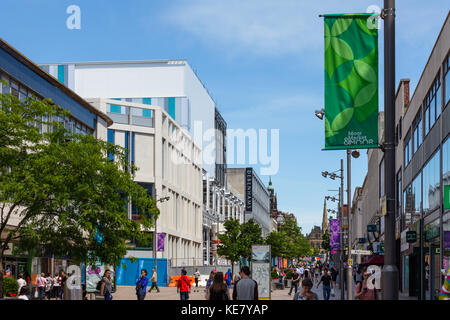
x: 432, y: 107
x: 10, y: 86
x: 422, y: 196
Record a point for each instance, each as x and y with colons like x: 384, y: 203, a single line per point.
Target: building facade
x: 169, y: 165
x: 22, y: 78
x: 422, y: 228
x: 256, y: 197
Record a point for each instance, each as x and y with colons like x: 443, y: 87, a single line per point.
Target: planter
x: 288, y: 283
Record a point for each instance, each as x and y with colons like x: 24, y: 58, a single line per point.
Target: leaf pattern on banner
x: 342, y: 48
x: 365, y: 71
x: 340, y: 26
x: 342, y: 119
x: 365, y: 95
x: 328, y: 131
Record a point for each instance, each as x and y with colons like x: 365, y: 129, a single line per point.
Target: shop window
x: 431, y: 184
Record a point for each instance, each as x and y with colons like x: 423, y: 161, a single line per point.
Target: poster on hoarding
x: 94, y: 274
x: 261, y: 270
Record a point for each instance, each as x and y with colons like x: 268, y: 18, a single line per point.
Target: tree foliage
x: 326, y: 241
x: 61, y: 192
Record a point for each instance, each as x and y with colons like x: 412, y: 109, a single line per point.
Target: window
x: 111, y: 136
x: 417, y: 131
x: 407, y: 150
x: 399, y: 192
x: 411, y: 200
x: 447, y: 80
x: 432, y: 104
x: 446, y: 163
x: 431, y: 184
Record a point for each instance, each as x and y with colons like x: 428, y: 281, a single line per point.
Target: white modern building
x: 169, y: 165
x: 174, y: 86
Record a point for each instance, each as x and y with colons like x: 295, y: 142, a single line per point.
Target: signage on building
x: 362, y: 240
x: 372, y: 228
x: 335, y: 228
x: 362, y: 252
x: 261, y: 270
x: 248, y: 189
x: 411, y: 236
x: 447, y: 197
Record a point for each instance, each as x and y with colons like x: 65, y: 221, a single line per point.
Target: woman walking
x: 218, y: 290
x: 106, y: 287
x: 56, y: 286
x: 362, y: 290
x: 196, y: 277
x: 48, y: 286
x: 141, y: 285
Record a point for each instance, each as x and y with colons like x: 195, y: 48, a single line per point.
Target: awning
x: 373, y: 260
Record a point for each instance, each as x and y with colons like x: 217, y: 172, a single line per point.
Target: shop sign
x: 411, y: 236
x: 383, y: 207
x: 372, y: 228
x: 447, y: 197
x: 362, y: 240
x: 432, y: 233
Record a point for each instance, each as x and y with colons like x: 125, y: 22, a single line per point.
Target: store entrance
x: 414, y: 273
x: 13, y: 267
x: 432, y: 271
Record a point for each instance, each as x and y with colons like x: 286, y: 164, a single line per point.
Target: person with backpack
x: 141, y: 285
x: 184, y: 286
x: 106, y: 285
x: 218, y: 290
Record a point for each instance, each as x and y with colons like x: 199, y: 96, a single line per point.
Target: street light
x: 156, y: 234
x: 320, y: 113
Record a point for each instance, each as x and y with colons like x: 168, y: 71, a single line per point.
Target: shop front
x: 432, y: 259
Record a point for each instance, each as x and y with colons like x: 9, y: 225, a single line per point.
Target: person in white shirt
x: 301, y: 270
x: 56, y: 286
x: 21, y: 282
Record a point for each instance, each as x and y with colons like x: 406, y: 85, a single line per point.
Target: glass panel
x: 438, y: 102
x: 446, y: 163
x: 447, y: 87
x: 431, y: 184
x: 412, y: 198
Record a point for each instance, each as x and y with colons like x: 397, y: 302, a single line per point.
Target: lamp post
x: 389, y: 273
x: 156, y: 234
x: 333, y: 176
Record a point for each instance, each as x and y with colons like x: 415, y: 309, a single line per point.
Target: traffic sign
x: 363, y: 252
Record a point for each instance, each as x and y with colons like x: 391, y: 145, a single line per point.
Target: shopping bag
x: 332, y: 292
x: 36, y: 294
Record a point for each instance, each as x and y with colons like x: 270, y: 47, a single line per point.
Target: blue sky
x: 262, y: 61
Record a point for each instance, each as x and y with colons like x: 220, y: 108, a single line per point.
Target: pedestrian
x: 334, y: 274
x: 209, y: 282
x: 306, y: 293
x: 316, y: 272
x: 301, y: 272
x: 48, y: 286
x: 154, y: 280
x: 56, y: 286
x: 362, y: 291
x: 295, y: 281
x: 63, y: 276
x: 228, y: 278
x: 218, y: 290
x: 184, y: 286
x: 326, y: 280
x: 245, y: 288
x: 106, y: 286
x: 21, y: 282
x: 141, y: 285
x: 196, y: 278
x: 41, y: 284
x: 23, y: 293
x: 358, y: 275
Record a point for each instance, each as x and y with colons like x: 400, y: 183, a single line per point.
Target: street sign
x: 363, y: 252
x: 447, y: 197
x: 411, y: 237
x: 371, y: 228
x: 362, y: 240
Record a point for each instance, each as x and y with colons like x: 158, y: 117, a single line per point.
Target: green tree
x: 326, y: 241
x: 62, y: 189
x: 277, y: 241
x: 229, y: 246
x: 250, y: 235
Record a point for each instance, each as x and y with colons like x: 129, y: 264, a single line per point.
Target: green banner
x: 351, y: 82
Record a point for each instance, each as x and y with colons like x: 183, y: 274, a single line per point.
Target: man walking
x: 295, y: 281
x: 245, y: 288
x: 184, y: 286
x: 154, y: 279
x: 326, y: 280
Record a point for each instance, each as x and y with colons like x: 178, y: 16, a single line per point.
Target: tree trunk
x: 1, y: 275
